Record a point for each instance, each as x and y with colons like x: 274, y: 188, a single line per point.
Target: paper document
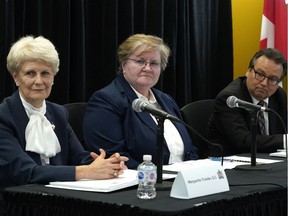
x: 228, y: 163
x: 279, y: 153
x: 233, y: 161
x: 179, y: 166
x: 127, y: 179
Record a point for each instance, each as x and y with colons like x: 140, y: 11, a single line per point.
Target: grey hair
x: 31, y: 48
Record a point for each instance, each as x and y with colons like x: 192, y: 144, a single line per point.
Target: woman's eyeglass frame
x: 143, y: 63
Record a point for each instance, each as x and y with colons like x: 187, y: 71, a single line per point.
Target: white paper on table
x: 279, y: 153
x: 127, y: 179
x: 179, y: 166
x: 229, y: 162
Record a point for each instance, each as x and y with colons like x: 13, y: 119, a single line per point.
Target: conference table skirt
x: 251, y: 193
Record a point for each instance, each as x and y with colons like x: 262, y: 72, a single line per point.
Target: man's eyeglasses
x: 143, y: 63
x: 260, y: 77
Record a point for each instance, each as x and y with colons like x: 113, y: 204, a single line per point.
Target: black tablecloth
x: 251, y: 193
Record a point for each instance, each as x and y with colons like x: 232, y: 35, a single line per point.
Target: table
x: 251, y: 193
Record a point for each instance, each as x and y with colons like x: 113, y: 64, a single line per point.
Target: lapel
x: 19, y: 115
x: 246, y: 95
x: 21, y: 119
x: 49, y: 113
x: 273, y: 119
x: 125, y: 88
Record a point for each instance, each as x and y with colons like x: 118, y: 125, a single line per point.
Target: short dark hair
x: 272, y: 54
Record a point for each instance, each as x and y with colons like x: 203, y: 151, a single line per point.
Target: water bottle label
x: 150, y: 176
x: 141, y: 176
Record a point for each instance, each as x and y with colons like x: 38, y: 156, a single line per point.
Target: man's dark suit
x: 231, y: 126
x: 111, y: 123
x: 19, y: 167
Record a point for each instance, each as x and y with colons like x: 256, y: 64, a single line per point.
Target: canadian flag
x: 274, y: 25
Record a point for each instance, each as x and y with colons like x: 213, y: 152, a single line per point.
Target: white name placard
x: 199, y: 181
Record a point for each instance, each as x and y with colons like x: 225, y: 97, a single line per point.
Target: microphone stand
x: 160, y: 185
x: 253, y: 130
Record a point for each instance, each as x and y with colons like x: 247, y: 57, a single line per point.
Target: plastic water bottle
x: 147, y: 177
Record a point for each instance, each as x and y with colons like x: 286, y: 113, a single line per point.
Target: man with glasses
x: 231, y: 127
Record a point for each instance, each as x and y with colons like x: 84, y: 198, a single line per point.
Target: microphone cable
x: 220, y: 147
x: 255, y: 184
x: 285, y: 130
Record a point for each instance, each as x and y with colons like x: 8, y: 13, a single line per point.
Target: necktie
x: 261, y: 120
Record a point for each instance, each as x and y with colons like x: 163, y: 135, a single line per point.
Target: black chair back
x: 197, y: 114
x: 76, y: 113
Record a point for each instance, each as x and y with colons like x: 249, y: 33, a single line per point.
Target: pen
x: 227, y: 159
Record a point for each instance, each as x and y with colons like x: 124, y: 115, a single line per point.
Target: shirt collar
x: 255, y: 101
x: 152, y: 99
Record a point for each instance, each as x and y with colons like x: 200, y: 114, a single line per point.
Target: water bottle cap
x: 147, y: 157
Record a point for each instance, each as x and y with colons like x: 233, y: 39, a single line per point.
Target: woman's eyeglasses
x: 143, y: 63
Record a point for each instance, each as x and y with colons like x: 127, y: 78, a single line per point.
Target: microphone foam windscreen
x: 231, y: 101
x: 137, y: 105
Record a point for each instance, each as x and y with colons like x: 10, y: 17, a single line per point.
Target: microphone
x: 141, y: 106
x: 233, y: 102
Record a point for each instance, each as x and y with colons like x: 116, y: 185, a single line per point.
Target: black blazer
x: 231, y: 126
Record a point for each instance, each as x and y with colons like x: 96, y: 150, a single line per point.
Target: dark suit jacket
x: 19, y: 167
x: 111, y: 123
x: 231, y: 126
